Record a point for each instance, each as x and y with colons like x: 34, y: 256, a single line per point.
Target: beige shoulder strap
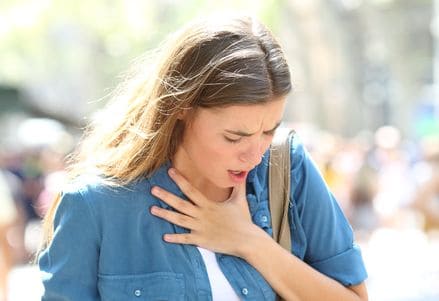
x: 279, y: 186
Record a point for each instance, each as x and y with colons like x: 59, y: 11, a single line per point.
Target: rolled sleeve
x: 347, y: 267
x: 325, y: 237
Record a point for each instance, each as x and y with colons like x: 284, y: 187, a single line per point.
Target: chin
x: 223, y: 183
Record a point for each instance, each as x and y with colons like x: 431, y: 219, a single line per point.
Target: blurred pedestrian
x: 8, y: 214
x: 426, y: 199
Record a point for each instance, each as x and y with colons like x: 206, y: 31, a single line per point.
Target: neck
x: 185, y: 165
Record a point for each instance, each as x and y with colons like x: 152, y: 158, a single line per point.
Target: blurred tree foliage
x: 67, y: 53
x: 356, y: 64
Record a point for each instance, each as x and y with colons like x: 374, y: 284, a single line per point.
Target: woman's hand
x: 226, y: 227
x: 217, y: 226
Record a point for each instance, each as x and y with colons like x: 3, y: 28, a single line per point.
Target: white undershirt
x: 221, y: 288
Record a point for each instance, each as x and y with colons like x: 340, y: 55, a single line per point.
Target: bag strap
x: 279, y: 185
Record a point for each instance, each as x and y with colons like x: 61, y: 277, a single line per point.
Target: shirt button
x: 137, y: 293
x: 264, y: 218
x: 244, y: 291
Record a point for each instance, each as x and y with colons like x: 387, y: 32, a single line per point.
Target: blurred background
x: 365, y: 101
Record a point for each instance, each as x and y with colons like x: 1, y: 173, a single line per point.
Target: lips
x: 238, y: 175
x: 236, y: 172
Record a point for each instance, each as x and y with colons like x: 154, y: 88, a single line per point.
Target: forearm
x: 290, y: 277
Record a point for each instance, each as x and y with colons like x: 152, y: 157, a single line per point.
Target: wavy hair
x: 209, y: 63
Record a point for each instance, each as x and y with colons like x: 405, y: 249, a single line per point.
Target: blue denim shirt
x: 107, y: 245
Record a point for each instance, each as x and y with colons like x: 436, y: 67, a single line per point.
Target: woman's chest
x: 136, y: 264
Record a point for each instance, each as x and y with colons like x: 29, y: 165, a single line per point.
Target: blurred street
x: 402, y: 266
x: 24, y: 284
x: 365, y: 103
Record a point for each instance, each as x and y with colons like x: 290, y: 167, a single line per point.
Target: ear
x: 185, y: 114
x: 182, y: 114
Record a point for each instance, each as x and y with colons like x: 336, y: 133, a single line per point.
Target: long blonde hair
x: 209, y: 63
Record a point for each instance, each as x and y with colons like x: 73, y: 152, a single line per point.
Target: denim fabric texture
x: 107, y: 245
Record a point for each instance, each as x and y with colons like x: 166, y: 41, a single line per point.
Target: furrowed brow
x: 245, y: 134
x: 273, y: 129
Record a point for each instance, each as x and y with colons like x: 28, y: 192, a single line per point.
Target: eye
x: 270, y: 133
x: 232, y: 140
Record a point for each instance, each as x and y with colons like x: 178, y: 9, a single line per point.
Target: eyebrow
x: 245, y: 134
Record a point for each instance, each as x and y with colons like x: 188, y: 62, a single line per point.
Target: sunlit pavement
x: 24, y: 284
x: 403, y: 265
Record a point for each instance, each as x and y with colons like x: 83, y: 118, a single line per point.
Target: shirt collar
x: 162, y: 179
x: 258, y: 176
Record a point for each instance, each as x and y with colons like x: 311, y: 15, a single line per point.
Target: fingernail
x: 155, y: 190
x: 153, y: 210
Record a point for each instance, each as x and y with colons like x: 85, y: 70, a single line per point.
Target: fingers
x: 190, y: 191
x: 186, y: 238
x: 178, y: 219
x: 174, y: 201
x: 174, y: 217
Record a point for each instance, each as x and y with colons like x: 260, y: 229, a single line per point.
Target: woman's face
x: 221, y: 145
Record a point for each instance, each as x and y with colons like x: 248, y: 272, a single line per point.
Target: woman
x: 171, y: 202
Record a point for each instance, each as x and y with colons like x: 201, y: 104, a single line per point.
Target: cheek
x: 220, y: 153
x: 209, y: 151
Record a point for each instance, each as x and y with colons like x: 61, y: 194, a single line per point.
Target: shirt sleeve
x: 69, y: 264
x: 327, y: 238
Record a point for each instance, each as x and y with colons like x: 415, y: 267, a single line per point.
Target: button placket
x: 262, y: 217
x: 252, y: 202
x: 244, y: 291
x: 137, y: 293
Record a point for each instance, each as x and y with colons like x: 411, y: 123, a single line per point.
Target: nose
x: 253, y: 153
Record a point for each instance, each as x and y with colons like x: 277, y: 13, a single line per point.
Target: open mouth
x: 237, y: 175
x: 236, y: 172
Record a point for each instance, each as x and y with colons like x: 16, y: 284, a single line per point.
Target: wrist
x: 255, y: 240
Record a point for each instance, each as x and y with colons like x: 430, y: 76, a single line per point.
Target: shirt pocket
x: 160, y: 286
